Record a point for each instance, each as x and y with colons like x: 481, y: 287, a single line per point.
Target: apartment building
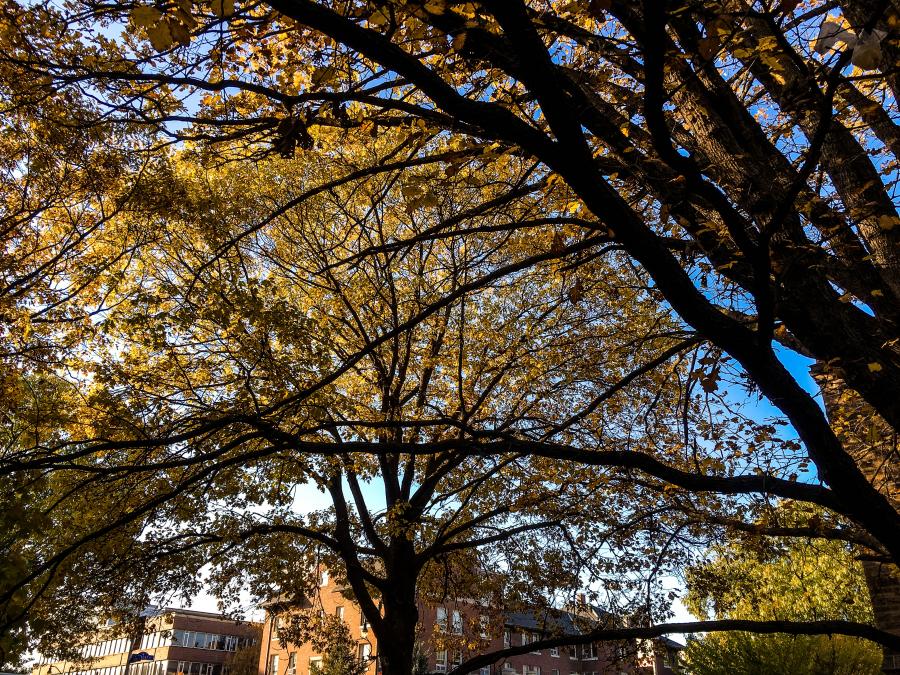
x: 450, y: 632
x: 173, y: 642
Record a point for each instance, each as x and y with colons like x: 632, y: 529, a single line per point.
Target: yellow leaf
x: 160, y: 36
x: 180, y: 32
x: 875, y: 367
x: 223, y: 8
x: 887, y: 222
x: 378, y: 18
x: 145, y: 17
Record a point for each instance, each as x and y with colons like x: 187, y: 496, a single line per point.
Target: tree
x: 780, y: 579
x: 338, y: 654
x: 727, y: 165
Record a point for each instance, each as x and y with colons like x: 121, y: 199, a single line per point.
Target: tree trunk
x: 873, y: 444
x: 396, y: 646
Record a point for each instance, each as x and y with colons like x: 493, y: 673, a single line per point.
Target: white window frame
x: 457, y: 622
x: 440, y: 660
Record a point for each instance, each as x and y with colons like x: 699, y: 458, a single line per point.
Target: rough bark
x: 873, y: 444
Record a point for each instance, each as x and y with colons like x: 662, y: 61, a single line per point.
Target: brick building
x: 174, y: 642
x: 451, y: 632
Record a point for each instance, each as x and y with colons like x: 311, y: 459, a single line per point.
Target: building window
x: 339, y: 613
x: 484, y: 670
x: 323, y: 578
x: 506, y: 639
x: 442, y: 619
x: 363, y: 625
x: 554, y: 651
x: 531, y: 670
x: 440, y: 661
x: 315, y: 664
x: 364, y: 650
x: 588, y: 651
x: 273, y: 665
x: 292, y: 664
x: 457, y: 658
x: 484, y: 624
x: 457, y: 623
x: 534, y: 638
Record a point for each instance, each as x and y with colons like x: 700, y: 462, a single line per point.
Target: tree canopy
x: 782, y: 579
x: 496, y: 276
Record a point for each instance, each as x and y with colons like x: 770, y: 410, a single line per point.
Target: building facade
x: 453, y: 632
x: 174, y: 642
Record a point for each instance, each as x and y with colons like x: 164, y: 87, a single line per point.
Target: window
x: 484, y: 670
x: 363, y: 625
x: 457, y: 623
x: 363, y: 651
x: 231, y: 643
x: 554, y: 651
x: 442, y: 619
x: 211, y: 640
x: 323, y: 578
x: 572, y: 653
x: 339, y: 613
x: 315, y: 664
x: 589, y: 651
x: 534, y: 638
x: 483, y: 624
x: 276, y: 626
x: 457, y: 658
x: 292, y: 664
x: 273, y: 665
x: 440, y: 661
x: 506, y: 639
x: 531, y: 670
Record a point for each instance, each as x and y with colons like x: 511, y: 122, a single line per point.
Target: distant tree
x: 781, y: 579
x: 339, y: 654
x: 750, y: 654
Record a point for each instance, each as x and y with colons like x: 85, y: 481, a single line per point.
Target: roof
x: 153, y: 611
x: 551, y: 620
x: 671, y: 644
